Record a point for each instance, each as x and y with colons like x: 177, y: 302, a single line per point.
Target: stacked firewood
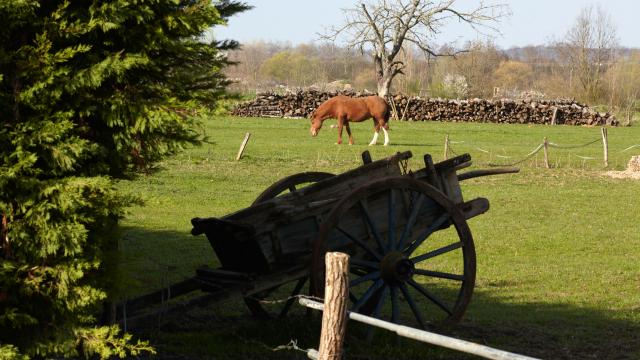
x: 568, y: 112
x: 298, y: 104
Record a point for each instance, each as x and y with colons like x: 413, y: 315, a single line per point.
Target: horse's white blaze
x: 386, y: 136
x: 375, y: 139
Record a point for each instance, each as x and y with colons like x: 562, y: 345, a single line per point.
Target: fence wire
x: 630, y: 147
x: 573, y: 146
x: 451, y: 151
x: 527, y: 157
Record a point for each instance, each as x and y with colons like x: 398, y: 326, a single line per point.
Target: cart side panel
x: 235, y: 244
x: 299, y: 225
x: 286, y: 225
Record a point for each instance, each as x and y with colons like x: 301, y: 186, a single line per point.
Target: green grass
x: 558, y: 275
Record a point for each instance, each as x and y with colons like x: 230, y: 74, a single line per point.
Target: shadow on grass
x: 152, y: 259
x: 543, y: 330
x: 227, y: 331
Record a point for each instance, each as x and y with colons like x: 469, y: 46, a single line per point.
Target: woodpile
x: 298, y: 104
x: 568, y: 112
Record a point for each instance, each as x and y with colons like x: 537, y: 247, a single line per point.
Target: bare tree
x: 383, y: 27
x: 589, y: 48
x: 624, y: 85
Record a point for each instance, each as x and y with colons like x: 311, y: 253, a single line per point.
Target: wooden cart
x: 412, y: 253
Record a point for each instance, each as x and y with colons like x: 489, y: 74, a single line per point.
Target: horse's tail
x: 387, y: 115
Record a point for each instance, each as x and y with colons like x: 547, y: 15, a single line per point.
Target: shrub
x: 89, y: 90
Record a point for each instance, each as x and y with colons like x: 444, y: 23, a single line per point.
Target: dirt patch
x: 632, y: 171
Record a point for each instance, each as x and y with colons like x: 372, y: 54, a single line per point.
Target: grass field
x: 557, y: 253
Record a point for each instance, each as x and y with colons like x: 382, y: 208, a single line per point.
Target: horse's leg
x: 386, y: 136
x: 376, y: 129
x: 340, y: 123
x: 349, y: 132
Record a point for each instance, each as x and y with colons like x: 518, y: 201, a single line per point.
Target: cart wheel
x: 291, y: 183
x: 402, y: 248
x: 288, y: 184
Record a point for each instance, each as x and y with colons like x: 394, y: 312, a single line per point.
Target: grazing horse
x: 346, y: 109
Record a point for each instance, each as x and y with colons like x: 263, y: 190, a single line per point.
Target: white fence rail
x: 425, y: 336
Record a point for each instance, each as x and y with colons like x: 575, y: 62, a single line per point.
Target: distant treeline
x: 608, y: 77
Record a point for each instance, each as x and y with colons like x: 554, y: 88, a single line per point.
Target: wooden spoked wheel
x: 408, y: 263
x: 291, y: 184
x: 288, y: 184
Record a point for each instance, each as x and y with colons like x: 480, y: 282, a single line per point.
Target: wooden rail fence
x: 335, y: 316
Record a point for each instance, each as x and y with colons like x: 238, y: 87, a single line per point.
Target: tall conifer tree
x: 89, y: 90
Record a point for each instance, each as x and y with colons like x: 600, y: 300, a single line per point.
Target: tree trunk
x: 384, y: 75
x: 384, y: 84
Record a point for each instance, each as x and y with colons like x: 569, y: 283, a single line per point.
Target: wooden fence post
x: 446, y: 147
x: 394, y: 109
x: 406, y: 108
x: 243, y: 145
x: 334, y: 316
x: 546, y: 152
x: 554, y: 117
x: 605, y: 145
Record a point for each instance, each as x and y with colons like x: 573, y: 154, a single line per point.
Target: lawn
x: 557, y: 253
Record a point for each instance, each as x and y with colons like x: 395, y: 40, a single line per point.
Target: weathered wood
x: 431, y: 173
x: 605, y: 145
x: 554, y: 116
x: 157, y: 297
x: 366, y: 157
x: 362, y: 224
x: 545, y: 143
x: 283, y: 227
x: 270, y: 243
x: 486, y: 172
x: 291, y: 184
x: 334, y: 317
x: 243, y: 145
x: 557, y: 111
x: 474, y: 207
x: 281, y: 230
x: 446, y: 147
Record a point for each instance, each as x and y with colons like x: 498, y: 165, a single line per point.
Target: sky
x: 532, y: 22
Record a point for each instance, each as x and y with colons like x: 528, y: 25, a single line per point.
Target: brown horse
x: 346, y: 109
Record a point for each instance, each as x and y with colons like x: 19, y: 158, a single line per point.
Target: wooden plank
x: 159, y: 296
x: 486, y: 172
x: 454, y: 162
x: 474, y: 207
x: 431, y: 174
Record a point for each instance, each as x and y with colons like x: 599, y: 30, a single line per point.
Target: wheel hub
x: 395, y: 268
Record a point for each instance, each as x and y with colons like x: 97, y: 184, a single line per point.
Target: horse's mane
x: 325, y: 107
